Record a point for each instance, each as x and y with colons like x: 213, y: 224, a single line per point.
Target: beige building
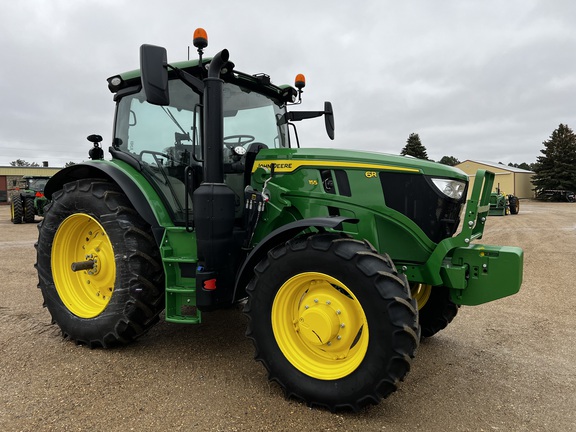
x: 10, y: 177
x: 510, y: 180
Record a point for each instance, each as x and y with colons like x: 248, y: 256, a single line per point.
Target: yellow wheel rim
x: 320, y: 326
x: 80, y: 239
x: 420, y: 293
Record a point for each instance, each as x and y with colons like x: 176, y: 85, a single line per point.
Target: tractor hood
x: 288, y: 160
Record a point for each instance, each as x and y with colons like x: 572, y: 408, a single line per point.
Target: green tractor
x: 29, y: 200
x: 502, y: 204
x: 343, y: 260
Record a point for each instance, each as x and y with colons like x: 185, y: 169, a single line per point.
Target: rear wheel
x: 16, y: 210
x: 98, y: 265
x: 29, y: 209
x: 514, y: 204
x: 435, y: 308
x: 332, y: 321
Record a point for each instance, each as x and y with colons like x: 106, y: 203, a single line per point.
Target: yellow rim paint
x: 284, y: 166
x: 320, y: 326
x: 81, y: 238
x: 421, y: 293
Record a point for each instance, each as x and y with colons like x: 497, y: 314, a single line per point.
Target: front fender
x: 277, y: 237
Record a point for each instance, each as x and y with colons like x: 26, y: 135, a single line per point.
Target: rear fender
x: 111, y: 172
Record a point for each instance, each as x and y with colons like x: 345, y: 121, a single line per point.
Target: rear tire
x: 435, y: 308
x: 332, y: 321
x: 514, y: 204
x: 16, y: 210
x: 121, y: 297
x: 29, y: 210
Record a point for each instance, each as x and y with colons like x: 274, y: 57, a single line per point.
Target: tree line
x: 24, y: 163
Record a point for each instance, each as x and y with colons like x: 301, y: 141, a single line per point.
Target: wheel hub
x: 319, y: 324
x: 83, y: 265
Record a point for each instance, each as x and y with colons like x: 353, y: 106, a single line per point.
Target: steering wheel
x: 238, y: 140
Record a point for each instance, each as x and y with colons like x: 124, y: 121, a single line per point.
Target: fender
x: 277, y: 237
x: 109, y: 172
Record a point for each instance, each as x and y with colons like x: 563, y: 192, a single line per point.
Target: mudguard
x: 278, y: 237
x: 109, y: 172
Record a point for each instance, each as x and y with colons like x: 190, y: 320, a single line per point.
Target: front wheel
x: 16, y: 210
x: 332, y: 321
x: 435, y: 308
x: 98, y: 265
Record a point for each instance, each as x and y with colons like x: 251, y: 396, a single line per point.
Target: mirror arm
x: 188, y: 79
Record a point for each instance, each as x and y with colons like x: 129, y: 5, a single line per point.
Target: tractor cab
x: 164, y: 134
x: 34, y: 184
x: 167, y: 141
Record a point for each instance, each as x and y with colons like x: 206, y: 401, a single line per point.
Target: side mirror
x: 153, y: 68
x: 329, y: 119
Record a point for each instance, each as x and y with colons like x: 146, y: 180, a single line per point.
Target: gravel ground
x: 504, y: 366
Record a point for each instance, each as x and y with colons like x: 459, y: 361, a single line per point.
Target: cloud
x: 476, y: 80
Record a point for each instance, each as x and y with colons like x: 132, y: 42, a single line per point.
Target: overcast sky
x: 483, y: 80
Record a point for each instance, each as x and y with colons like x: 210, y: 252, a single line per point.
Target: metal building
x: 510, y: 180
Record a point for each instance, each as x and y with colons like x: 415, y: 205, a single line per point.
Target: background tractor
x: 342, y: 259
x: 28, y: 201
x: 502, y: 204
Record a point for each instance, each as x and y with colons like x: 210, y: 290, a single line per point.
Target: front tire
x: 16, y: 210
x: 332, y: 321
x: 120, y: 295
x: 435, y: 308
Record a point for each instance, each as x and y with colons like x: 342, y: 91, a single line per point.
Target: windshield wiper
x: 171, y: 116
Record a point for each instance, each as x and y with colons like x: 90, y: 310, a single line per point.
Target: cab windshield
x: 168, y: 139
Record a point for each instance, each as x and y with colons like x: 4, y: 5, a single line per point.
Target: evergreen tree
x: 414, y: 147
x: 449, y: 160
x: 556, y: 169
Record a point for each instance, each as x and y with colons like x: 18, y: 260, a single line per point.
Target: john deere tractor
x: 343, y: 260
x: 29, y: 200
x: 502, y: 204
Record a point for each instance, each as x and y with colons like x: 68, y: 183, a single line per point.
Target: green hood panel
x: 288, y: 160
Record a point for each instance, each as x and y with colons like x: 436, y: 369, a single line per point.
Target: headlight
x: 451, y: 188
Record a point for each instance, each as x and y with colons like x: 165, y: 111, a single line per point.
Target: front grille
x: 416, y: 197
